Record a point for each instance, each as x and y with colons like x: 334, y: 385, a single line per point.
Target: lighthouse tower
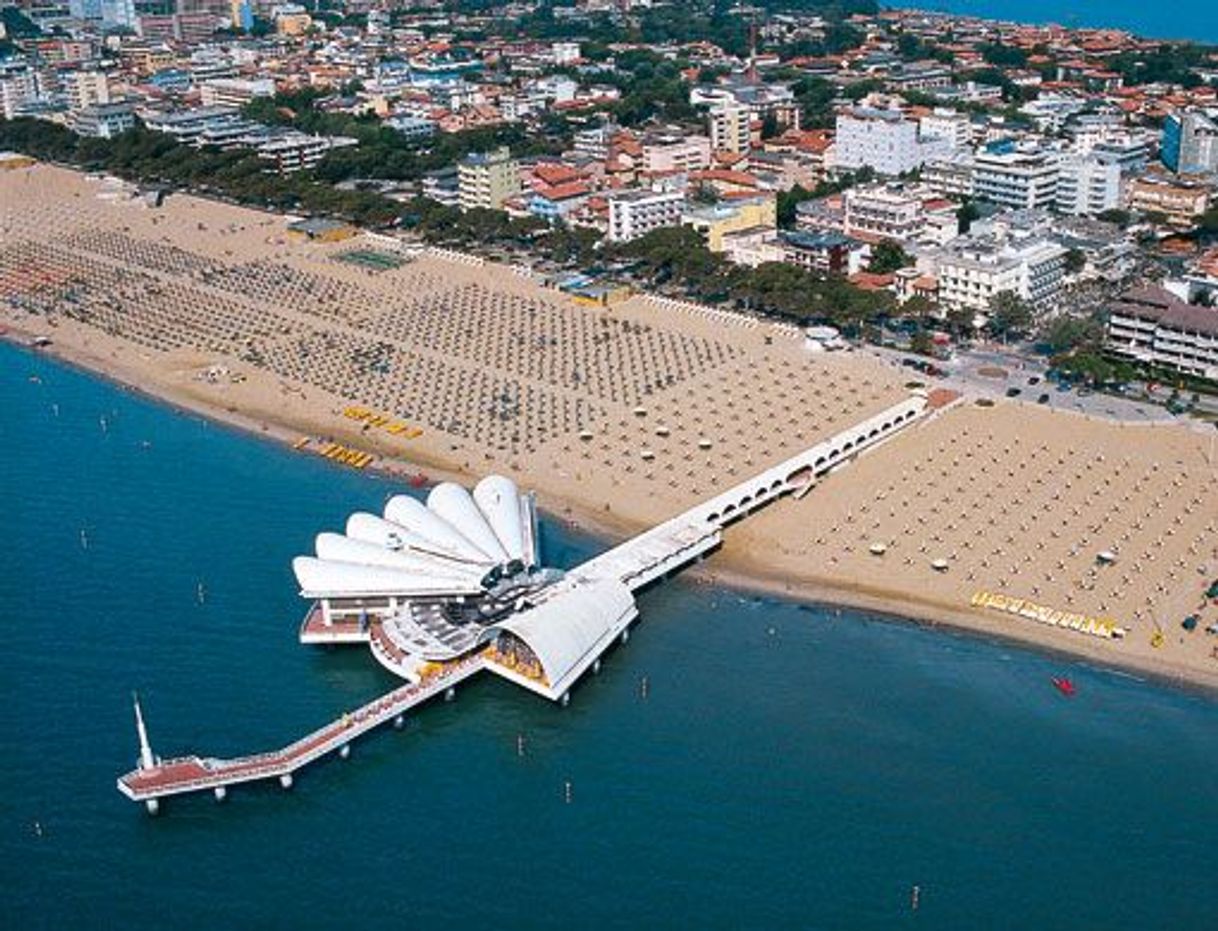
x: 147, y: 760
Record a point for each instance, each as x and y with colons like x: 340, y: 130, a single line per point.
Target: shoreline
x: 735, y: 571
x: 952, y: 8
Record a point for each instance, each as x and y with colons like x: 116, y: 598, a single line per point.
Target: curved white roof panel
x: 414, y: 516
x: 373, y: 529
x: 453, y: 503
x: 567, y: 632
x: 461, y: 577
x: 324, y: 578
x: 499, y: 501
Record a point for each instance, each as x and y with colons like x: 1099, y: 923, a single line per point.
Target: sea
x: 741, y: 762
x: 1196, y: 20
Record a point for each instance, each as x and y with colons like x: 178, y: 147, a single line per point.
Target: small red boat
x: 1063, y: 685
x: 418, y: 480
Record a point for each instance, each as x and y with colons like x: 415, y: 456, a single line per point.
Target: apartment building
x: 952, y: 176
x: 86, y: 89
x: 1179, y: 200
x: 716, y: 221
x: 487, y: 179
x: 730, y: 128
x: 1154, y: 327
x: 948, y: 124
x: 102, y: 121
x: 887, y: 141
x: 636, y: 213
x: 1087, y: 186
x: 1189, y: 143
x: 666, y: 152
x: 234, y: 92
x: 1017, y: 178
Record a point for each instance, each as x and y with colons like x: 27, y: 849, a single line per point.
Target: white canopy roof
x: 335, y: 547
x: 418, y: 518
x: 453, y: 503
x: 572, y: 627
x: 499, y: 500
x: 325, y: 578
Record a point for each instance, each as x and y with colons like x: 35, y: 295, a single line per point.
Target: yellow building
x: 731, y: 216
x: 293, y: 24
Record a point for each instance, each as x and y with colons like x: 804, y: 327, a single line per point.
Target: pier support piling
x: 221, y: 793
x: 450, y: 693
x: 399, y: 722
x: 344, y: 751
x: 596, y: 666
x: 153, y: 805
x: 286, y: 780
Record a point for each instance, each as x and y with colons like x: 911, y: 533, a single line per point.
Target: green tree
x: 1009, y: 315
x: 1076, y: 261
x: 1068, y: 334
x: 888, y: 256
x: 965, y: 216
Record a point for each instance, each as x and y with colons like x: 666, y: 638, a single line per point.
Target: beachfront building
x: 1154, y: 327
x: 103, y: 121
x: 905, y: 213
x: 972, y: 270
x: 823, y: 252
x: 487, y: 179
x: 716, y: 221
x: 636, y: 213
x: 887, y: 141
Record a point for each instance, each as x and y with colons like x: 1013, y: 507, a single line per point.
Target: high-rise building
x: 1189, y: 144
x: 118, y: 14
x: 86, y: 89
x: 886, y: 141
x: 487, y: 179
x: 730, y: 128
x: 1087, y: 185
x: 1017, y: 178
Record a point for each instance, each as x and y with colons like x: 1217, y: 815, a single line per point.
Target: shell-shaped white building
x: 426, y: 581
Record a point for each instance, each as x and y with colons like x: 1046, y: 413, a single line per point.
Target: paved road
x: 965, y: 374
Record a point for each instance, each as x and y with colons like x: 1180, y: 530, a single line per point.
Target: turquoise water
x: 788, y: 767
x: 1183, y: 19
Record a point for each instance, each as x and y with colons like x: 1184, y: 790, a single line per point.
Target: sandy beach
x: 1011, y: 520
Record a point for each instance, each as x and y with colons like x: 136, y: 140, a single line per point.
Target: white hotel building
x: 885, y: 140
x: 972, y: 270
x: 636, y: 213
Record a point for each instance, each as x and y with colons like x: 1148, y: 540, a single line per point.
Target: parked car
x: 1013, y: 392
x: 1043, y: 399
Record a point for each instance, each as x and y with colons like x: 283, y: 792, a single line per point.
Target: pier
x: 155, y: 779
x: 563, y: 631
